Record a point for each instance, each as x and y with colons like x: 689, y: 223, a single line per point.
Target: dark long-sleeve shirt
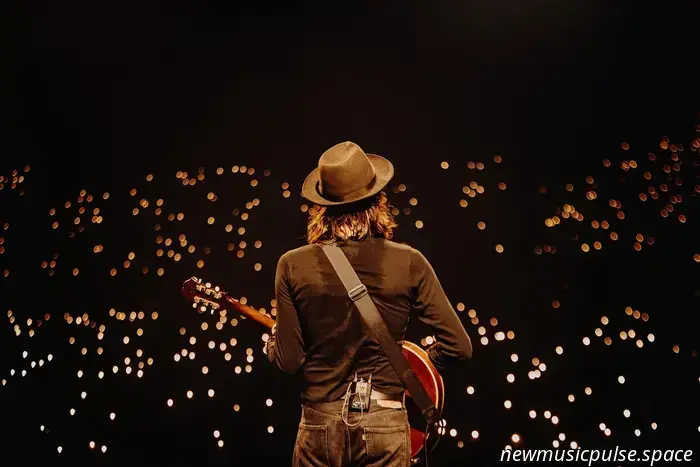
x: 320, y: 332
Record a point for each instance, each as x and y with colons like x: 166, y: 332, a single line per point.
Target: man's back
x: 322, y: 333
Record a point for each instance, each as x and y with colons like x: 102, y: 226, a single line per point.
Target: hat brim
x: 384, y: 172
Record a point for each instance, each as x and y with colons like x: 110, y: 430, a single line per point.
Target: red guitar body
x: 431, y: 381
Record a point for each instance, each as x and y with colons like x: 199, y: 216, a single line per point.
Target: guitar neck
x: 251, y: 313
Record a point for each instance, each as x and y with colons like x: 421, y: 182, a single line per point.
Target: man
x: 320, y: 333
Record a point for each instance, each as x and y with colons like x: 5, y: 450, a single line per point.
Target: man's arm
x: 434, y: 309
x: 285, y: 347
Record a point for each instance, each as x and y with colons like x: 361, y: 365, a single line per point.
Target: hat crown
x: 344, y: 169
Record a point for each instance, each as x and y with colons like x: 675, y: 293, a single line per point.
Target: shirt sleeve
x: 434, y: 309
x: 286, y: 348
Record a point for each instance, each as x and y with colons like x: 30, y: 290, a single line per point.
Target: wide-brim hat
x: 346, y: 174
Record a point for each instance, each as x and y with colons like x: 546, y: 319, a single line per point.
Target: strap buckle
x: 357, y: 292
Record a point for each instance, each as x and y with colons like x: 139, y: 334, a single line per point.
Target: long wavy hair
x: 353, y: 221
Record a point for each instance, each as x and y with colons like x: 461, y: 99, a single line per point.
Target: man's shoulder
x: 402, y: 252
x: 400, y: 247
x: 301, y: 251
x: 415, y: 257
x: 313, y: 249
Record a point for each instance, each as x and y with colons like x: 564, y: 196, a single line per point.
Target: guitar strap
x: 377, y: 327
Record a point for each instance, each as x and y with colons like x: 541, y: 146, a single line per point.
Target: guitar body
x: 434, y: 387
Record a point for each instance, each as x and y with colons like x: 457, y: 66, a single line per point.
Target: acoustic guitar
x: 204, y: 297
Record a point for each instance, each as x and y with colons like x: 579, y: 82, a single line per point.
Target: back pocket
x: 311, y: 449
x: 387, y: 446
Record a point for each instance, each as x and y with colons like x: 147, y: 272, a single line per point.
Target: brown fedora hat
x: 346, y: 174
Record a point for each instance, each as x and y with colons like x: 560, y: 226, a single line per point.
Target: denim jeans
x: 381, y: 437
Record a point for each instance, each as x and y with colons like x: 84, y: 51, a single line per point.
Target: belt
x: 375, y: 395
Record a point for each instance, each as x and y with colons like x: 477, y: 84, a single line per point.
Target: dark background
x: 100, y: 94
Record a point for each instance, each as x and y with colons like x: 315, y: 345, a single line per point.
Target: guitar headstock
x: 203, y: 295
